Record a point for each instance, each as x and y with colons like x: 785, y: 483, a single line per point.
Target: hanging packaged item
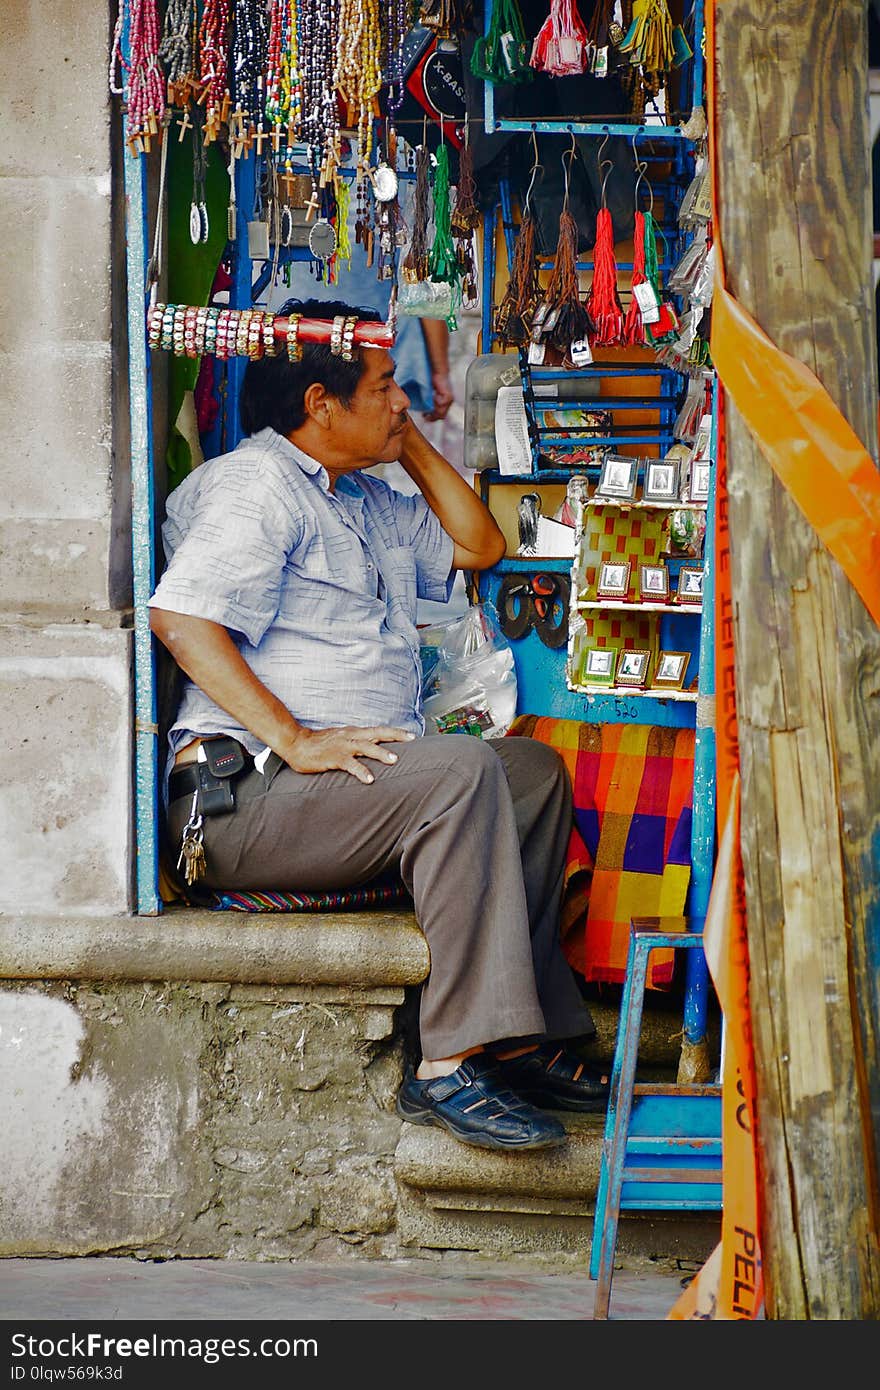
x: 426, y: 299
x: 503, y: 54
x: 468, y: 676
x: 560, y: 47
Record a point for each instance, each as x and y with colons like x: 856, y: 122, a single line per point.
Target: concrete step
x: 454, y: 1196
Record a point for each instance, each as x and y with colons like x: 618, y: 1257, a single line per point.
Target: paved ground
x: 33, y: 1290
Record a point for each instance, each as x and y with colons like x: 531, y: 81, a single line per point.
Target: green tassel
x: 443, y: 261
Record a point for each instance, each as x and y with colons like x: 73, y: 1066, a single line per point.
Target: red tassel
x: 633, y: 328
x: 603, y: 301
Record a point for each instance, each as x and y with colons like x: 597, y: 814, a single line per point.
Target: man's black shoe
x: 475, y: 1105
x: 555, y: 1078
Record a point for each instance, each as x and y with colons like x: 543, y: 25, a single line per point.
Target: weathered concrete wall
x: 169, y: 1119
x: 257, y: 1121
x: 64, y: 660
x: 214, y: 1085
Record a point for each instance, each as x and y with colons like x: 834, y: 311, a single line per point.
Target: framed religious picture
x: 599, y: 665
x: 661, y: 481
x: 613, y: 581
x: 690, y: 585
x: 632, y: 668
x: 670, y: 670
x: 698, y: 483
x: 618, y: 478
x: 653, y: 583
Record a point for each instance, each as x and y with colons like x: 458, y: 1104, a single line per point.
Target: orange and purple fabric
x: 630, y: 850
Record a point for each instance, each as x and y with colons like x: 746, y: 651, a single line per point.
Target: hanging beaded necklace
x: 144, y: 91
x: 249, y: 54
x: 213, y: 42
x: 317, y: 37
x: 283, y: 84
x: 396, y: 29
x: 178, y: 50
x: 358, y: 72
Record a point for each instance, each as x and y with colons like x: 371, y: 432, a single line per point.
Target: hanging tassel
x: 443, y: 261
x: 666, y: 327
x: 572, y: 321
x: 634, y: 328
x: 517, y: 308
x: 603, y: 301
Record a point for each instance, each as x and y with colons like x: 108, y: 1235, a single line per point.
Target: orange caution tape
x: 810, y: 446
x: 730, y: 1284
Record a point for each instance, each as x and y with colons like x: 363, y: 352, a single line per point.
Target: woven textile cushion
x: 630, y: 849
x: 390, y: 892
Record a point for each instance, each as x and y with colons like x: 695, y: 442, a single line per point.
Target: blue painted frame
x: 146, y: 731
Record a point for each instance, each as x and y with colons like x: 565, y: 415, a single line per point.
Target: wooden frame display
x: 632, y: 668
x: 598, y: 667
x: 653, y: 583
x: 690, y: 585
x: 661, y: 480
x: 698, y: 482
x: 613, y: 580
x: 618, y: 478
x: 670, y: 670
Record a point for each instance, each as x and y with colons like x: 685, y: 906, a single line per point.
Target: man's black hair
x: 274, y: 388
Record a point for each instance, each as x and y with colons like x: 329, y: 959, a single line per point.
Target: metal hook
x: 568, y: 155
x: 535, y: 167
x: 607, y: 165
x: 641, y: 167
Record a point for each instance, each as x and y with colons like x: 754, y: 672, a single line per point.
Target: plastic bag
x: 468, y: 676
x: 425, y: 299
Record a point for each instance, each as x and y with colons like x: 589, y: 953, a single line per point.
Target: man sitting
x: 289, y: 602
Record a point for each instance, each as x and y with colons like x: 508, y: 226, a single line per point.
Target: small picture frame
x: 618, y: 478
x: 690, y: 585
x: 698, y: 483
x: 632, y: 668
x: 661, y: 481
x: 613, y: 581
x: 653, y: 584
x: 599, y: 665
x: 670, y: 670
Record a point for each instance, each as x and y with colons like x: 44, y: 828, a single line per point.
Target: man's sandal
x: 552, y: 1077
x: 475, y: 1105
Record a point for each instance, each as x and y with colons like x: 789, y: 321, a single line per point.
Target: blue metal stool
x: 662, y: 1144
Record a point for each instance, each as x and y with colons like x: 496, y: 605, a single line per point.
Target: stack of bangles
x: 190, y: 330
x: 342, y: 337
x: 196, y: 331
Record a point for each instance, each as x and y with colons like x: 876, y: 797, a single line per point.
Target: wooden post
x: 793, y: 171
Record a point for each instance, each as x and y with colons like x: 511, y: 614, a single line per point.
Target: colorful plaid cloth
x: 630, y: 851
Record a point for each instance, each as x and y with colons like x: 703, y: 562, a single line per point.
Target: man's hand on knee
x: 328, y: 750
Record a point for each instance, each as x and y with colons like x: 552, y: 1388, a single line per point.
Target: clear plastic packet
x: 468, y: 675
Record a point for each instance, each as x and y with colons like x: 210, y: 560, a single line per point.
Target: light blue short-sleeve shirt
x: 318, y: 588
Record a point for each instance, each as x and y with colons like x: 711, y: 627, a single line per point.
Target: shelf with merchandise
x: 621, y: 606
x: 650, y: 693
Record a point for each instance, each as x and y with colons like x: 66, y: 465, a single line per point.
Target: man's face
x: 371, y: 429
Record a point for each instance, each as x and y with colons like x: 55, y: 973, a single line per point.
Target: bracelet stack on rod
x: 196, y: 331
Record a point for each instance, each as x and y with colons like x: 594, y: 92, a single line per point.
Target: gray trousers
x: 478, y: 831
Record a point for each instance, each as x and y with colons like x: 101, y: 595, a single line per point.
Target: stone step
x: 454, y: 1196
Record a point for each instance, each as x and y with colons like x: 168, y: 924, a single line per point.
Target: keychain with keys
x: 192, y: 854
